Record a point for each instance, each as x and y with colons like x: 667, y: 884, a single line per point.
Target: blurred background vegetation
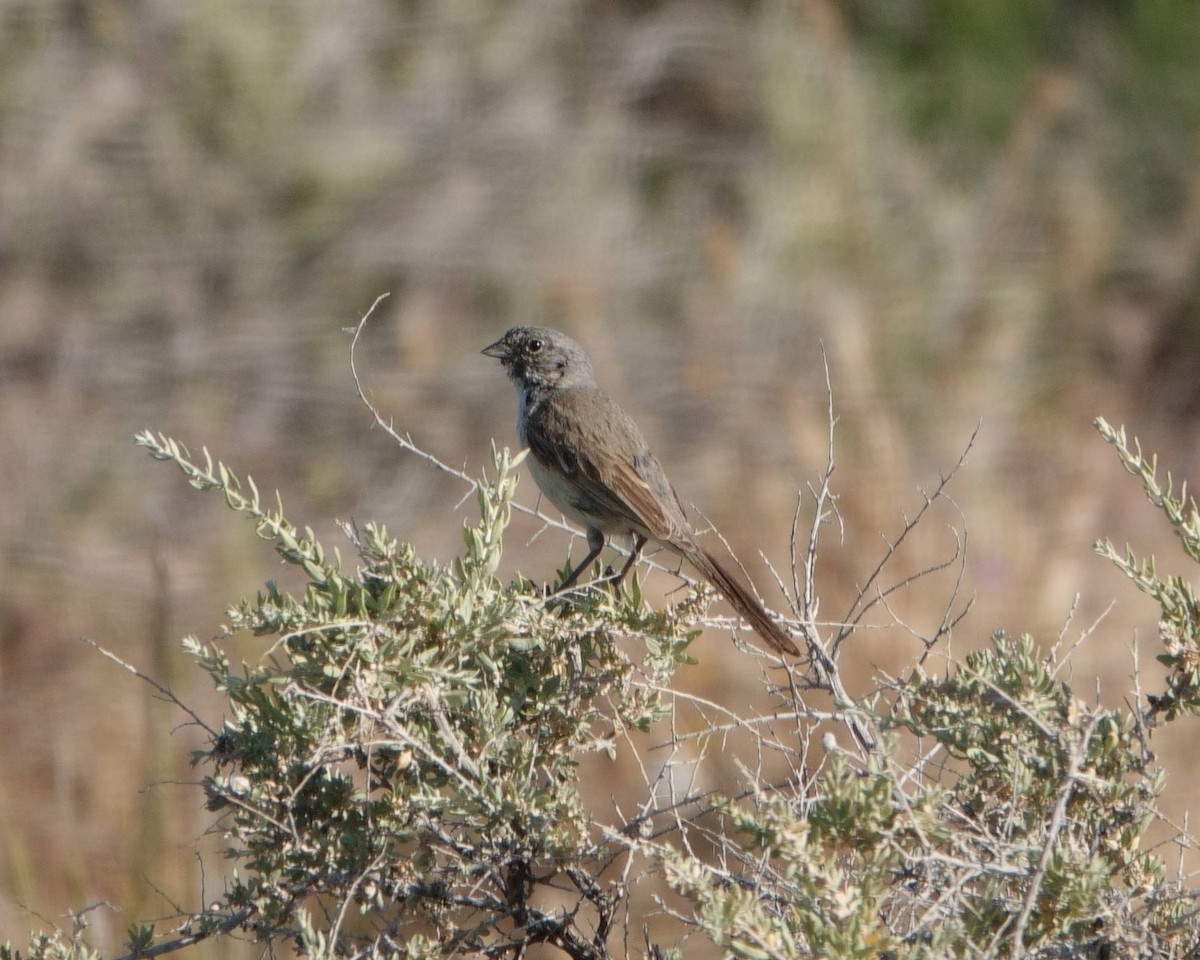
x: 979, y: 210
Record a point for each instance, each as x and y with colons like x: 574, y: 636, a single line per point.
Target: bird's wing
x: 592, y: 442
x: 642, y: 486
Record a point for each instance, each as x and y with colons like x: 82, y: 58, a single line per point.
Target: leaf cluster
x: 1002, y: 815
x: 1179, y: 620
x: 1015, y: 830
x: 408, y: 750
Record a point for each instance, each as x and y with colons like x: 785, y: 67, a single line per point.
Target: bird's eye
x: 534, y: 346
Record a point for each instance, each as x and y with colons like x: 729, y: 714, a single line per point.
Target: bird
x: 590, y: 459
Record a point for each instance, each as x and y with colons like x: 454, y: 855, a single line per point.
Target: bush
x: 398, y: 775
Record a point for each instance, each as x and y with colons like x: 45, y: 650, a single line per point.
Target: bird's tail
x: 742, y: 600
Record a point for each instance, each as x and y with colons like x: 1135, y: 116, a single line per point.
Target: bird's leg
x: 638, y: 542
x: 595, y: 539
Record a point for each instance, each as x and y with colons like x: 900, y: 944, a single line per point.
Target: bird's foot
x: 612, y: 580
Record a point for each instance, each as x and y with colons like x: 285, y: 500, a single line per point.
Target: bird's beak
x: 499, y: 350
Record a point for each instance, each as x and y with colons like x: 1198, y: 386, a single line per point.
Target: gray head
x: 541, y: 357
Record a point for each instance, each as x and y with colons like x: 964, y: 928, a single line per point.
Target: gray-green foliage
x: 1019, y: 821
x: 398, y: 773
x: 397, y: 776
x: 409, y: 749
x: 1004, y: 816
x: 1179, y: 624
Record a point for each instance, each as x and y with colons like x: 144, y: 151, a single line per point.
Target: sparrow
x: 593, y: 463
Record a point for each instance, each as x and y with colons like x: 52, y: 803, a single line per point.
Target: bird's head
x: 539, y: 356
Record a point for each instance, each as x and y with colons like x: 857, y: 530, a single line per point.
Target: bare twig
x: 167, y: 693
x: 228, y: 925
x: 1070, y: 778
x: 858, y: 608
